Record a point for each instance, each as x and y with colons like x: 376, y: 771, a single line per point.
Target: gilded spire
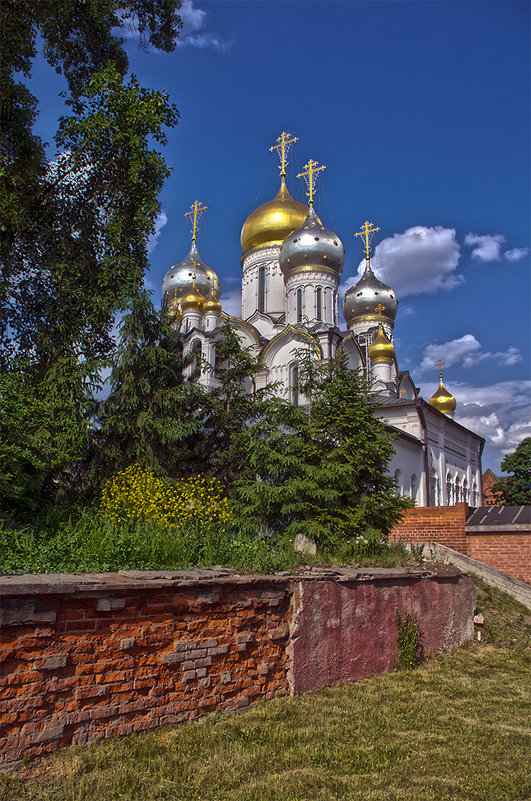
x: 195, y: 212
x: 311, y: 171
x: 284, y: 144
x: 366, y: 231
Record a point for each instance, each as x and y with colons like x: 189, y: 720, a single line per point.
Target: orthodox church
x: 291, y: 268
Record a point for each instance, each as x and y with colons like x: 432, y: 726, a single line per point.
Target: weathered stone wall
x: 86, y: 657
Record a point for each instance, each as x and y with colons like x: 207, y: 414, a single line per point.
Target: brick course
x: 509, y: 552
x: 443, y: 524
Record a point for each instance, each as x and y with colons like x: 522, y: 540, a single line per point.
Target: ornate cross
x: 365, y: 232
x: 379, y: 309
x: 311, y: 170
x: 284, y: 143
x: 440, y: 365
x: 196, y: 210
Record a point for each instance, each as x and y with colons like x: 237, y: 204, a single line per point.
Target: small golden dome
x: 212, y: 305
x: 442, y: 400
x: 381, y: 348
x: 272, y: 222
x: 193, y: 300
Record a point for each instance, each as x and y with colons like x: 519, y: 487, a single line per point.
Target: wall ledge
x: 17, y: 585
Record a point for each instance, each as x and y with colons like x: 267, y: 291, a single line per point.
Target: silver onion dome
x: 180, y: 278
x: 362, y: 299
x: 312, y: 245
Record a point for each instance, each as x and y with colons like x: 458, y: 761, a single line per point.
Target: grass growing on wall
x: 144, y: 522
x: 456, y: 729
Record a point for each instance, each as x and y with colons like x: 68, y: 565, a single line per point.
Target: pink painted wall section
x: 345, y: 631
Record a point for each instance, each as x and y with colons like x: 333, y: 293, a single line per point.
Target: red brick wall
x: 86, y: 657
x: 442, y: 524
x: 509, y: 552
x: 76, y: 669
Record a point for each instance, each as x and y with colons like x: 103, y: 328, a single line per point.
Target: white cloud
x: 193, y: 35
x: 160, y: 221
x: 420, y: 260
x: 485, y: 247
x: 231, y: 302
x: 500, y: 412
x: 516, y: 254
x: 467, y: 351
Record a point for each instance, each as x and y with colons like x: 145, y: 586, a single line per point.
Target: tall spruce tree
x: 327, y: 478
x: 152, y: 413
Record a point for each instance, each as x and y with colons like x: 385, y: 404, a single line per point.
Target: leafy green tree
x: 152, y: 413
x: 515, y: 490
x: 73, y: 232
x: 87, y: 216
x: 325, y: 478
x: 44, y: 432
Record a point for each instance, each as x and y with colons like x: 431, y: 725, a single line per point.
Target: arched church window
x: 414, y: 486
x: 299, y: 305
x: 262, y: 278
x: 197, y: 351
x: 294, y: 384
x: 397, y: 477
x: 319, y: 303
x: 434, y: 487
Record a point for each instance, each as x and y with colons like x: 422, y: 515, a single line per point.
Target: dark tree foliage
x: 152, y: 413
x: 325, y: 478
x: 515, y: 490
x: 45, y: 430
x: 74, y: 232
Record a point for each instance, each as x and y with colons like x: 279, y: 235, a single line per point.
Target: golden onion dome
x: 381, y: 348
x: 212, y: 304
x: 272, y: 222
x: 442, y: 400
x: 193, y: 300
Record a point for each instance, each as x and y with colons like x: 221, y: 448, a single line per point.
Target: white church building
x: 291, y: 268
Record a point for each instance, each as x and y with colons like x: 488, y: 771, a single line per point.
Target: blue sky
x: 421, y: 113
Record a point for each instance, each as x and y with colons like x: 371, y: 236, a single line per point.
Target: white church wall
x: 409, y: 462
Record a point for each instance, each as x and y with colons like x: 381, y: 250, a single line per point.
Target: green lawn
x: 458, y: 727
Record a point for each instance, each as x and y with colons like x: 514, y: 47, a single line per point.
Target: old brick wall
x: 77, y: 667
x: 509, y: 552
x: 443, y: 524
x: 86, y: 657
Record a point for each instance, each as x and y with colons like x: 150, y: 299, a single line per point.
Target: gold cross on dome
x: 283, y: 146
x: 440, y: 365
x: 311, y: 170
x: 380, y: 309
x: 196, y: 209
x: 365, y: 232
